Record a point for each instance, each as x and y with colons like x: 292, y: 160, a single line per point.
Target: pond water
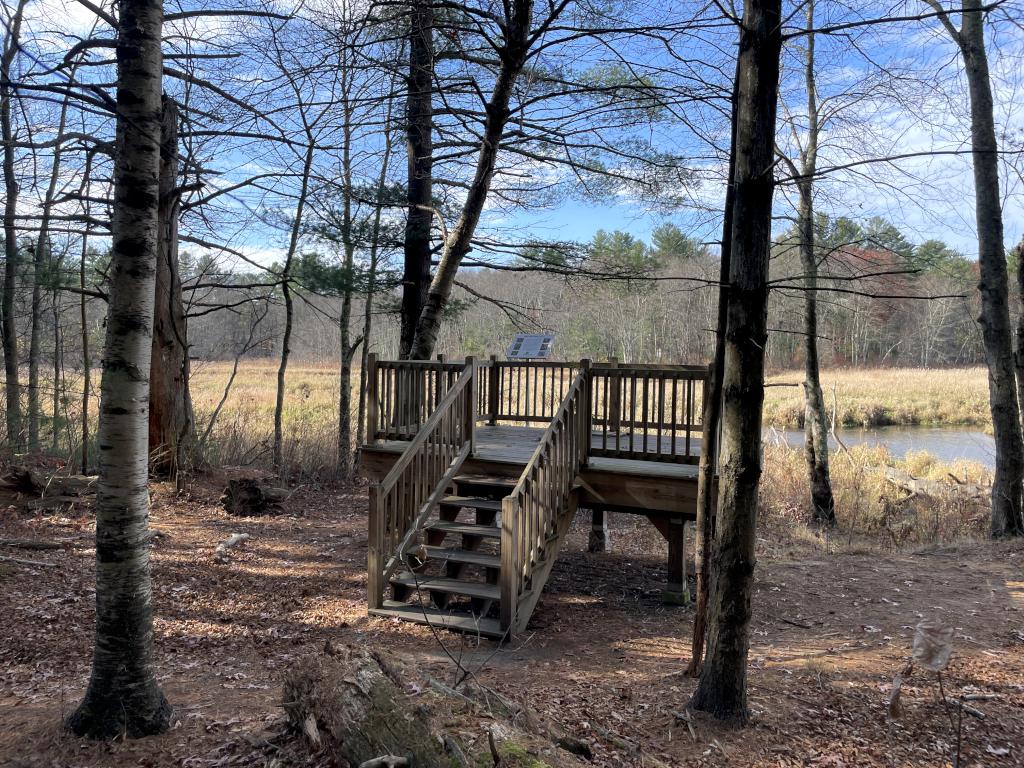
x: 945, y: 443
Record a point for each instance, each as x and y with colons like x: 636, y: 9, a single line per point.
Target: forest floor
x: 603, y: 658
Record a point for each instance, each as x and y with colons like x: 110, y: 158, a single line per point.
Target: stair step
x: 451, y: 586
x: 473, y: 502
x: 455, y: 555
x: 486, y: 481
x: 466, y: 529
x: 458, y: 621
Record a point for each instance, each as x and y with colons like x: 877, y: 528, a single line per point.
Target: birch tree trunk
x: 8, y: 322
x: 172, y: 425
x: 123, y: 697
x: 419, y: 116
x: 722, y: 688
x: 996, y: 329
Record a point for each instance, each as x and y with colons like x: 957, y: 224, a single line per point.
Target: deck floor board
x: 515, y: 445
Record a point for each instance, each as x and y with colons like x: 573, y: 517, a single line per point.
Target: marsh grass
x: 876, y: 397
x: 871, y: 511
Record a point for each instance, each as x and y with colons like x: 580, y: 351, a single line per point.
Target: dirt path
x: 602, y: 658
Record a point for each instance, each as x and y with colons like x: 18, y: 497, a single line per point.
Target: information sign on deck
x: 531, y: 346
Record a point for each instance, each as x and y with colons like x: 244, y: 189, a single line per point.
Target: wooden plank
x: 465, y: 529
x: 456, y: 555
x: 448, y: 586
x: 455, y: 621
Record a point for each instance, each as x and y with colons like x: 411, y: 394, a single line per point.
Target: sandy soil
x: 603, y: 657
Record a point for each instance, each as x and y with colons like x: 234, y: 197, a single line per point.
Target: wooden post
x: 374, y: 556
x: 494, y: 391
x: 372, y: 398
x: 677, y: 592
x: 599, y: 540
x: 588, y: 411
x: 614, y: 415
x: 470, y: 413
x: 509, y: 568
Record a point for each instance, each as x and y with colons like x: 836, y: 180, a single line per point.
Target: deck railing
x: 403, y: 394
x: 638, y: 411
x: 421, y: 476
x: 532, y: 513
x: 526, y: 391
x: 648, y: 412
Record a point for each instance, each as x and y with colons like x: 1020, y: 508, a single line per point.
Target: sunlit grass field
x: 886, y: 396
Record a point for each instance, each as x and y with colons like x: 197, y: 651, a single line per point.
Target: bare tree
x: 997, y: 332
x: 172, y: 425
x: 722, y: 688
x: 123, y: 697
x: 8, y: 321
x: 815, y: 417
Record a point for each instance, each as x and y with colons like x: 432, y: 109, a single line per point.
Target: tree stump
x: 250, y: 498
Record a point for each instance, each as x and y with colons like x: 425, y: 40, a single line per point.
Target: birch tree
x: 123, y: 697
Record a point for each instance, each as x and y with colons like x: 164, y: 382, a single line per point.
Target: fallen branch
x: 221, y: 554
x: 34, y: 544
x: 31, y: 563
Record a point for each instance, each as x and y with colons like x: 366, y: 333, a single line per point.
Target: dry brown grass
x: 871, y: 510
x: 886, y: 396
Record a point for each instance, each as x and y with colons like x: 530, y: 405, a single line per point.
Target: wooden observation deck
x: 479, y: 467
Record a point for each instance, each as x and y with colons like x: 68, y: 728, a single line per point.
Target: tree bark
x: 721, y: 689
x: 703, y: 538
x: 1018, y: 356
x: 123, y: 697
x: 996, y: 330
x: 420, y: 149
x: 86, y: 356
x: 172, y: 425
x: 823, y: 503
x: 8, y: 322
x: 459, y: 240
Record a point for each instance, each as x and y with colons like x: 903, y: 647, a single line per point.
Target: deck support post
x: 677, y: 591
x: 372, y: 398
x: 374, y: 555
x: 494, y: 391
x: 599, y: 540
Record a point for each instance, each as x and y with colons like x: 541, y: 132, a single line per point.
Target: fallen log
x: 354, y: 703
x: 251, y: 498
x: 917, y: 486
x: 38, y: 483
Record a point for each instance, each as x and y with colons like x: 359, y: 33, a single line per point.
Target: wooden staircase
x: 451, y: 575
x: 471, y: 553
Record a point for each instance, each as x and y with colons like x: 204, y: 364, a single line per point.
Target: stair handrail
x: 401, y: 502
x: 530, y: 514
